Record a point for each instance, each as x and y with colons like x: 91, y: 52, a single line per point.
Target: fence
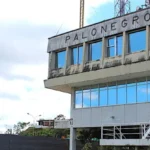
x: 13, y: 142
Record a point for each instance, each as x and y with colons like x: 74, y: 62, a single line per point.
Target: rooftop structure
x: 122, y: 7
x: 106, y: 69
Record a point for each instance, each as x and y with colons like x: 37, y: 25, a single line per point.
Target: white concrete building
x: 106, y: 69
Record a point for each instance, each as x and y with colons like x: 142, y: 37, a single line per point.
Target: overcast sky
x: 25, y: 26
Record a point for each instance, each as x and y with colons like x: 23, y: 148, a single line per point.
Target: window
x: 114, y: 47
x: 78, y: 99
x: 86, y: 98
x: 124, y: 92
x: 148, y: 91
x: 131, y: 93
x: 103, y: 96
x: 61, y: 59
x: 77, y: 54
x: 137, y: 41
x: 94, y: 97
x: 112, y: 95
x: 141, y: 92
x: 95, y: 51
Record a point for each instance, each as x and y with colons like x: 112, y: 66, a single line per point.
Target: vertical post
x: 72, y: 129
x: 81, y: 23
x: 114, y: 132
x: 125, y: 49
x: 120, y: 133
x: 102, y: 132
x: 147, y: 41
x: 104, y: 51
x: 72, y: 138
x: 136, y: 148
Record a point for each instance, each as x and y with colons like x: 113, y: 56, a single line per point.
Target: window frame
x: 115, y: 45
x: 78, y: 47
x: 90, y: 51
x: 56, y: 61
x: 134, y: 31
x: 103, y: 89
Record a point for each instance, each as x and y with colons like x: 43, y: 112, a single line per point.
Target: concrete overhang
x: 123, y: 72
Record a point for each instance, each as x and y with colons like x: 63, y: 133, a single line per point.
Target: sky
x: 25, y: 26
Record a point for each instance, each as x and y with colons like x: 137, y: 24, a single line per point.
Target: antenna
x: 122, y: 7
x: 81, y: 22
x: 147, y: 3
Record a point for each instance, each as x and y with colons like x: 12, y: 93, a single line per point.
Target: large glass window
x: 148, y: 91
x: 95, y: 51
x: 126, y: 92
x: 114, y: 47
x: 86, y: 98
x: 103, y: 96
x: 112, y: 95
x: 61, y: 58
x: 122, y: 94
x: 141, y: 92
x: 137, y: 41
x: 131, y: 93
x: 77, y: 54
x: 94, y: 97
x: 78, y: 99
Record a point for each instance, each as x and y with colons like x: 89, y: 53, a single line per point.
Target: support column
x: 125, y: 47
x: 147, y: 41
x: 85, y: 53
x: 72, y: 143
x: 136, y: 148
x: 68, y: 57
x: 104, y: 51
x: 72, y: 139
x: 52, y: 63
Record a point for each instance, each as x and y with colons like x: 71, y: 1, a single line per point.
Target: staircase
x: 146, y: 133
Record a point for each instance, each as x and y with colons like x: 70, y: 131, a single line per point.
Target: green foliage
x: 91, y: 146
x: 48, y: 132
x: 87, y: 135
x: 87, y: 146
x: 19, y: 127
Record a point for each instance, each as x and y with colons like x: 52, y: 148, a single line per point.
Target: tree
x: 60, y: 117
x: 8, y: 131
x: 87, y: 135
x: 19, y: 127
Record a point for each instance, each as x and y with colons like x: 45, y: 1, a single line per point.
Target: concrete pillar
x: 125, y: 47
x: 72, y: 130
x: 85, y: 53
x: 147, y: 41
x: 68, y: 57
x: 104, y: 51
x: 136, y: 148
x: 52, y: 62
x: 72, y: 139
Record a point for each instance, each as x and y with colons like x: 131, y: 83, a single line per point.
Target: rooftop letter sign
x: 118, y: 25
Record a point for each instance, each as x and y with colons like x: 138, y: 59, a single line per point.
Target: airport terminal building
x: 106, y: 69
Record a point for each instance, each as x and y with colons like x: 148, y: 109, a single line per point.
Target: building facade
x: 106, y: 69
